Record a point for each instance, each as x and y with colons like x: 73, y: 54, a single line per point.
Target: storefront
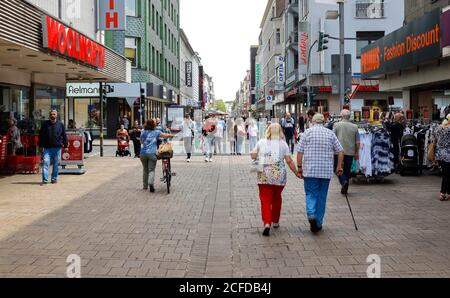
x: 37, y: 61
x: 415, y: 61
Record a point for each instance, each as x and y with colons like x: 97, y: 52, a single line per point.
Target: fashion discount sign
x: 64, y: 40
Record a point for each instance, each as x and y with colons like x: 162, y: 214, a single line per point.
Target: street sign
x: 269, y: 98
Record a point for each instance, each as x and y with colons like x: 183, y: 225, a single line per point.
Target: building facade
x: 34, y: 69
x: 365, y: 22
x: 152, y: 43
x: 417, y: 60
x: 189, y: 75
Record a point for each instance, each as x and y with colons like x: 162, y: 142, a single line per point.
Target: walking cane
x: 351, y: 212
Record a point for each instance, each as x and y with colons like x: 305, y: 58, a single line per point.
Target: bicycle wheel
x: 167, y: 179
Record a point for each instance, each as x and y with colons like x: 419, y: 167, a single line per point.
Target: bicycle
x: 167, y: 170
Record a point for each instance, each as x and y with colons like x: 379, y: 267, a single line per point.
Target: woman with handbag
x: 442, y: 136
x: 271, y: 154
x: 149, y: 140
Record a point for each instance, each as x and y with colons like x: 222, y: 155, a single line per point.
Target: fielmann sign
x: 413, y: 44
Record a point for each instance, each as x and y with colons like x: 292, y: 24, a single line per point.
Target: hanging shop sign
x: 63, y: 40
x: 303, y: 44
x: 188, y: 74
x: 279, y: 65
x: 124, y: 90
x: 111, y: 15
x: 413, y: 44
x: 83, y: 90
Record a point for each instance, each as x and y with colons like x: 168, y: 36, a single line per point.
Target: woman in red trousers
x: 271, y: 153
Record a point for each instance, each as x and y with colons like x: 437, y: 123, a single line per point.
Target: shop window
x: 131, y: 8
x: 47, y: 99
x: 382, y: 103
x: 132, y: 50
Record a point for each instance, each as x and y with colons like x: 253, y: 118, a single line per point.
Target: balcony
x: 369, y: 9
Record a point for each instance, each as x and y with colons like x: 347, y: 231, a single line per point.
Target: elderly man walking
x: 315, y: 160
x: 348, y: 135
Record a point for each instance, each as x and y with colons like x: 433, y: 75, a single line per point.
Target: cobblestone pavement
x: 210, y: 225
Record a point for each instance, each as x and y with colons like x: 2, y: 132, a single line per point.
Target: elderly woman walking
x: 271, y: 153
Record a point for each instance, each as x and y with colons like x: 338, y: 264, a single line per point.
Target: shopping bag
x: 431, y: 151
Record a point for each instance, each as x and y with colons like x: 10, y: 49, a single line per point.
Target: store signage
x: 74, y: 156
x: 413, y: 44
x: 445, y: 26
x: 188, y: 74
x: 65, y: 41
x: 111, y: 15
x: 279, y: 65
x: 124, y: 90
x: 303, y: 45
x: 83, y: 90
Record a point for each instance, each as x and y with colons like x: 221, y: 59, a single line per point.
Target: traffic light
x: 104, y: 91
x: 323, y: 41
x: 304, y: 95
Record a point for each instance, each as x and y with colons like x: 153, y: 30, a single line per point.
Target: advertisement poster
x: 366, y: 112
x: 75, y: 154
x: 357, y: 116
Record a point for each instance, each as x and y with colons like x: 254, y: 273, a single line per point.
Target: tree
x: 220, y: 106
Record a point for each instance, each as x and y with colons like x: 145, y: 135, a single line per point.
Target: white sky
x: 222, y: 31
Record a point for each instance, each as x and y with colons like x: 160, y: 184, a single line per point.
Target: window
x: 278, y: 37
x: 132, y: 50
x: 131, y: 8
x: 153, y: 17
x: 364, y: 38
x: 153, y: 60
x: 158, y: 64
x: 157, y: 23
x: 165, y: 34
x: 161, y: 27
x: 369, y: 9
x: 165, y: 70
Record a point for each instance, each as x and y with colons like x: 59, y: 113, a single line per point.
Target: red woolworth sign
x: 66, y: 41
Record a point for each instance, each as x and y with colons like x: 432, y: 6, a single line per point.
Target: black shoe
x: 266, y: 232
x: 54, y: 182
x: 313, y: 225
x: 344, y: 189
x: 44, y: 183
x: 152, y: 188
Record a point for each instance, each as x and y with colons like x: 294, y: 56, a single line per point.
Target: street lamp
x: 333, y: 15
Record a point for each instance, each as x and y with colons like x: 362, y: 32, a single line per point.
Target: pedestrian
x: 122, y: 133
x: 135, y: 136
x: 188, y: 136
x: 442, y: 136
x: 126, y: 122
x: 271, y: 152
x: 218, y: 137
x: 231, y: 136
x: 309, y: 115
x: 15, y: 142
x: 396, y: 130
x: 209, y: 130
x: 149, y: 139
x: 253, y: 134
x: 241, y: 134
x: 315, y: 161
x: 301, y: 124
x: 52, y: 137
x: 348, y: 135
x: 288, y: 125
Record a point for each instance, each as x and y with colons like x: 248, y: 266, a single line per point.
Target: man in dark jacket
x: 288, y: 125
x: 52, y: 137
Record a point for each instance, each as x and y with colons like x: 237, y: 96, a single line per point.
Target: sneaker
x: 206, y: 159
x: 266, y: 232
x: 44, y: 183
x: 54, y: 182
x: 276, y: 225
x: 188, y: 160
x: 152, y: 189
x: 210, y: 160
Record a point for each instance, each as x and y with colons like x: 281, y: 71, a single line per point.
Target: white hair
x: 318, y: 119
x: 346, y: 114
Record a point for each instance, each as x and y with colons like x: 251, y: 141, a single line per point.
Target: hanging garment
x: 365, y: 156
x: 382, y: 162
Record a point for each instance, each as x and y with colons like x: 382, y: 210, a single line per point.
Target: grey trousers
x: 149, y: 164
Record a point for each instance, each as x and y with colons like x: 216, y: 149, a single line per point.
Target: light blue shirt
x: 149, y: 139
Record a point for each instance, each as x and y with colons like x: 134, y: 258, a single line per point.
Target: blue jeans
x: 51, y: 155
x: 316, y: 198
x: 253, y: 141
x: 209, y: 142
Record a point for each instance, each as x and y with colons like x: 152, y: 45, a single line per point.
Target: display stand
x: 74, y: 156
